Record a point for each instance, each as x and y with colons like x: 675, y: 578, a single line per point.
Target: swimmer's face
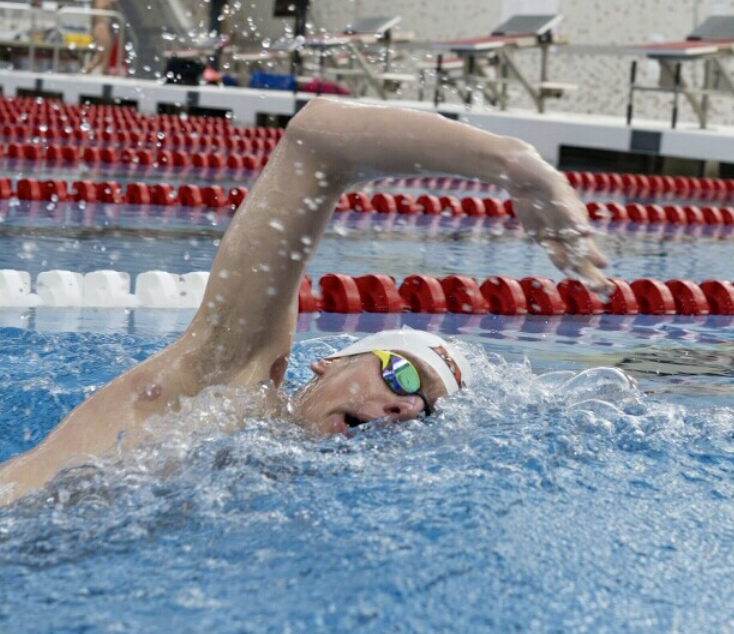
x: 349, y: 391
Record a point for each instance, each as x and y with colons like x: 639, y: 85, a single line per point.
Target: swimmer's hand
x: 552, y: 214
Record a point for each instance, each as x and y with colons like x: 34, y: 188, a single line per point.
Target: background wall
x: 602, y: 79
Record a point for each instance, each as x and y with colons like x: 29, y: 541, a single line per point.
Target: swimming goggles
x: 401, y: 376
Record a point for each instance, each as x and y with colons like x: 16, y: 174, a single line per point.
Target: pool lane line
x: 100, y: 219
x: 226, y: 201
x: 379, y: 293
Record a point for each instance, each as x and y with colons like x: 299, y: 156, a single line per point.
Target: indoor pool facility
x: 479, y: 427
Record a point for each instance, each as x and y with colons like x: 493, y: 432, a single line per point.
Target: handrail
x: 58, y: 13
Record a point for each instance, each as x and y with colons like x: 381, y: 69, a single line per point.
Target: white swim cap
x: 448, y: 362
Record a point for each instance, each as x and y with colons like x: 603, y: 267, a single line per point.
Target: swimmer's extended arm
x: 249, y: 309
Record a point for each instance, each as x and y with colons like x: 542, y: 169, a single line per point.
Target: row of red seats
x: 160, y: 158
x: 212, y: 196
x: 507, y: 296
x: 653, y: 184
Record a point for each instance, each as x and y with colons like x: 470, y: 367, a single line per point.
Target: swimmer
x: 102, y: 35
x: 241, y: 335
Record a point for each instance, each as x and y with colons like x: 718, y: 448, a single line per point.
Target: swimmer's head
x: 355, y: 385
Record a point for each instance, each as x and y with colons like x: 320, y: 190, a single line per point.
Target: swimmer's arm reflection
x: 243, y: 331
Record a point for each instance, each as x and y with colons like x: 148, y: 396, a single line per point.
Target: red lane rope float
x: 210, y: 196
x: 162, y: 158
x: 241, y: 141
x: 214, y: 197
x: 22, y: 148
x: 653, y: 184
x: 629, y: 184
x: 49, y: 118
x: 507, y: 296
x: 42, y: 117
x: 80, y: 127
x: 494, y: 207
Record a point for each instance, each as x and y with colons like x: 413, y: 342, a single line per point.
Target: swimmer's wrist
x: 527, y: 174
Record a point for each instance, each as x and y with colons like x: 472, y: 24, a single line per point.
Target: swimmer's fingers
x: 561, y: 227
x: 596, y: 257
x: 593, y: 278
x: 556, y: 252
x: 582, y: 257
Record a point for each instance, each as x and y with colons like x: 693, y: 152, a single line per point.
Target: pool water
x: 544, y: 499
x: 181, y: 241
x: 584, y: 484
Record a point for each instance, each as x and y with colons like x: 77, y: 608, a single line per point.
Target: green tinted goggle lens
x: 406, y: 375
x: 401, y: 376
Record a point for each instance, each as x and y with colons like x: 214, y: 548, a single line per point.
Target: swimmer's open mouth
x: 353, y: 421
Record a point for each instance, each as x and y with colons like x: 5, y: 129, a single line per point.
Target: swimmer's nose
x: 404, y: 408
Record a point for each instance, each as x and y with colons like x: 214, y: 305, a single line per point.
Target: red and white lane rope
x: 378, y: 293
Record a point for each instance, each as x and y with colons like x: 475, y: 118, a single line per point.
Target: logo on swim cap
x: 449, y: 361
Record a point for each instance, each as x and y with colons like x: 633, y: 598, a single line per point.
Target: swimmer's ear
x: 319, y: 367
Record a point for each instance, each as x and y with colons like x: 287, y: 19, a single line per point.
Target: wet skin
x: 350, y: 390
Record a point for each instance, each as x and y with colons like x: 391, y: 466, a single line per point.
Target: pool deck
x: 547, y: 132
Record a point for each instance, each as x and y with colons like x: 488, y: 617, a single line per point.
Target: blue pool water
x: 124, y: 239
x: 554, y: 496
x: 542, y: 500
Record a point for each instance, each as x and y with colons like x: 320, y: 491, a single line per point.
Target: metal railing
x: 57, y: 16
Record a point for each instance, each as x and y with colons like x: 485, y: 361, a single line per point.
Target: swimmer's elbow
x: 310, y: 119
x: 318, y: 134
